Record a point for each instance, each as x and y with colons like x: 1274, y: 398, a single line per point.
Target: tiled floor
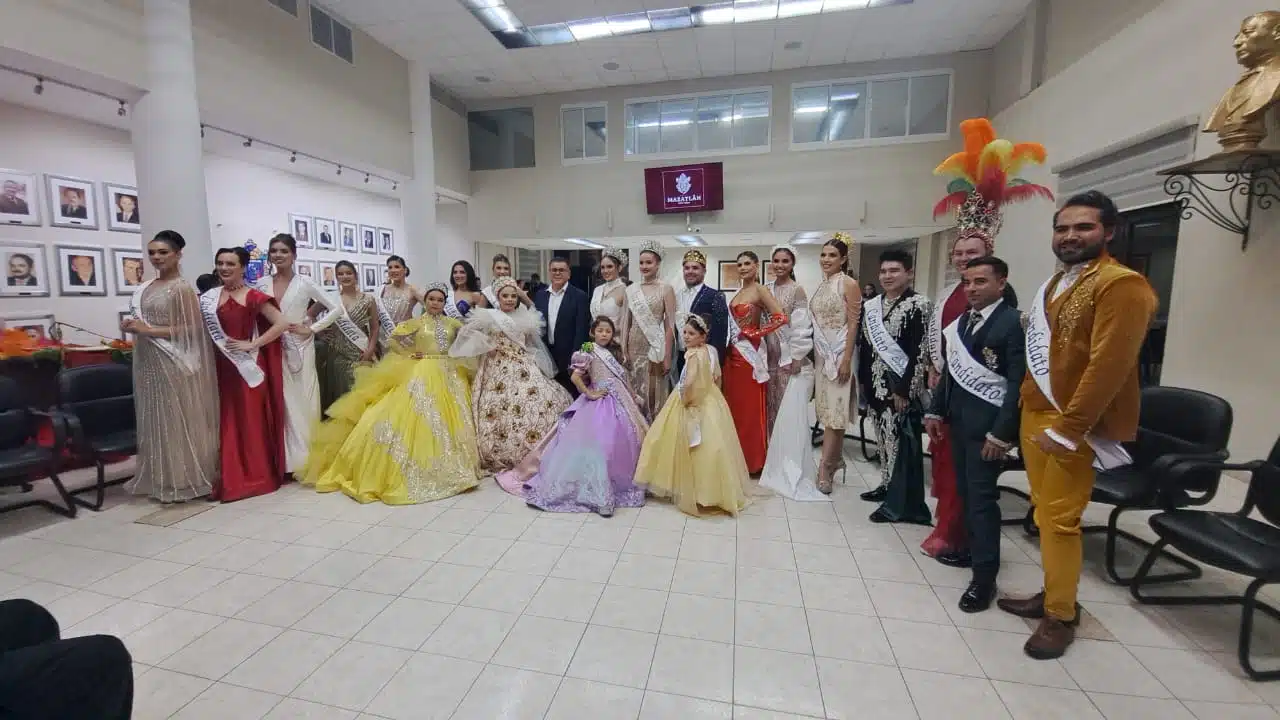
x: 300, y: 605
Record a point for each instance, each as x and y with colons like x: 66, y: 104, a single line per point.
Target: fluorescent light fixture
x: 672, y: 19
x: 807, y: 238
x: 589, y: 29
x: 553, y: 34
x: 810, y: 109
x: 637, y: 22
x: 838, y: 5
x: 584, y: 243
x: 745, y: 11
x: 716, y: 14
x: 845, y: 97
x: 497, y: 19
x: 690, y: 240
x: 796, y: 8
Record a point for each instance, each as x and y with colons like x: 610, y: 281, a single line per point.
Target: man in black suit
x: 698, y: 299
x: 12, y: 200
x: 568, y: 319
x: 73, y: 204
x: 127, y: 209
x: 985, y: 356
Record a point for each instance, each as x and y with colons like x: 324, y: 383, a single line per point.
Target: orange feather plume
x: 989, y: 166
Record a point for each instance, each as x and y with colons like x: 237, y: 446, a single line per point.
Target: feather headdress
x: 984, y: 179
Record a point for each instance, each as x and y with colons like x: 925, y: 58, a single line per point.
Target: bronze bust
x: 1241, y: 118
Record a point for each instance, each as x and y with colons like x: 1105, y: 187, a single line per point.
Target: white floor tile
x: 770, y: 554
x: 776, y: 681
x: 353, y: 676
x: 1000, y: 656
x: 577, y: 699
x: 223, y: 701
x: 585, y: 564
x: 643, y: 571
x: 470, y: 634
x: 168, y: 634
x: 294, y: 709
x: 565, y: 599
x: 390, y: 576
x: 287, y: 604
x: 849, y: 637
x: 935, y: 648
x: 282, y: 664
x: 476, y: 551
x: 427, y: 545
x: 860, y: 691
x: 1129, y: 707
x: 699, y: 617
x: 771, y: 627
x: 160, y: 693
x: 630, y: 608
x: 504, y: 591
x: 695, y: 668
x: 119, y: 619
x: 220, y: 650
x: 1192, y: 676
x: 614, y: 656
x: 338, y: 568
x: 179, y: 589
x: 509, y: 694
x: 406, y: 623
x: 1108, y: 667
x: 951, y: 697
x: 445, y: 583
x: 344, y: 614
x: 1028, y: 702
x: 427, y: 687
x: 133, y: 580
x: 540, y: 644
x: 530, y: 557
x: 777, y: 587
x: 233, y: 594
x: 836, y: 593
x: 694, y: 577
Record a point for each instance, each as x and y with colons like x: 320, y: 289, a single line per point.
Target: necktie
x: 971, y: 323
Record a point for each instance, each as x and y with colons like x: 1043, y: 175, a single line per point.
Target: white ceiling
x: 444, y: 36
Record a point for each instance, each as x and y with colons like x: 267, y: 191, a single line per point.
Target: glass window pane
x: 321, y: 29
x: 808, y: 114
x: 889, y: 108
x: 597, y: 145
x: 677, y: 125
x: 715, y: 122
x: 751, y: 120
x: 847, y: 113
x: 571, y: 132
x: 501, y: 139
x: 647, y: 126
x: 342, y: 42
x: 930, y: 98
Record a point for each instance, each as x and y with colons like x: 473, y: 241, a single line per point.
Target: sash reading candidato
x: 606, y: 357
x: 350, y: 330
x: 935, y: 328
x: 245, y: 363
x: 1108, y: 454
x: 648, y: 324
x: 451, y: 306
x: 831, y: 351
x: 881, y: 341
x: 755, y: 356
x: 970, y: 374
x: 185, y: 362
x: 385, y: 324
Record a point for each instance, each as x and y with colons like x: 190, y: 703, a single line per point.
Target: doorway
x: 582, y: 267
x: 1147, y: 241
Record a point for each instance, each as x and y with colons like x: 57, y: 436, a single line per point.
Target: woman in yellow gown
x: 691, y: 453
x: 404, y: 433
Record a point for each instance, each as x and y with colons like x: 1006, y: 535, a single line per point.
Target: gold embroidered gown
x: 336, y: 356
x: 404, y: 432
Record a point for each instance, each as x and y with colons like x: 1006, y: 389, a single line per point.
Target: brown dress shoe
x: 1031, y: 608
x: 1050, y: 640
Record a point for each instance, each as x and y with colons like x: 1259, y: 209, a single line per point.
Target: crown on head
x: 845, y: 238
x: 652, y: 246
x: 696, y: 256
x: 698, y: 322
x: 980, y: 218
x: 438, y: 287
x: 504, y: 281
x: 618, y: 254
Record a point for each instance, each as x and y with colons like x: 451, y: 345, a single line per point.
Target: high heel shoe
x: 824, y: 479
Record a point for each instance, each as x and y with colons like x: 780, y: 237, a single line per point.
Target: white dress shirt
x: 554, y: 299
x: 684, y: 309
x: 1068, y: 279
x: 982, y: 316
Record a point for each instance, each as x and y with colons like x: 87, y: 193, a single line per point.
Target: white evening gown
x: 789, y: 468
x: 608, y: 307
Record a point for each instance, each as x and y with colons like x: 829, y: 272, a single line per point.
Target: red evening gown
x: 744, y: 394
x: 251, y: 419
x: 949, y: 533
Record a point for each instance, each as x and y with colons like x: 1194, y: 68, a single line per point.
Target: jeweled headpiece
x: 844, y: 238
x: 698, y: 322
x: 504, y: 281
x: 618, y: 254
x: 652, y: 246
x: 695, y: 256
x: 782, y: 246
x: 438, y: 287
x: 985, y: 180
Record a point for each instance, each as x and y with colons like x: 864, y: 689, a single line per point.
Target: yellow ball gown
x: 403, y: 434
x: 691, y: 453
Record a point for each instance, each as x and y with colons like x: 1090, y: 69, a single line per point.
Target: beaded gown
x: 175, y: 395
x: 646, y: 340
x: 791, y: 297
x: 398, y: 302
x: 832, y: 399
x: 336, y: 355
x: 404, y: 432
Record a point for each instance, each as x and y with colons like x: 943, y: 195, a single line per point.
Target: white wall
x: 245, y: 201
x: 1173, y: 62
x: 809, y: 190
x: 1077, y: 27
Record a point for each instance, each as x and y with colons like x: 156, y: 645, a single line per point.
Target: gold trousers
x: 1060, y: 489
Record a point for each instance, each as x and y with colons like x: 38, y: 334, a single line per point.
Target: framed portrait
x: 302, y: 228
x: 123, y: 214
x: 81, y: 270
x: 306, y: 268
x: 727, y: 275
x: 129, y: 266
x: 328, y: 275
x: 347, y: 237
x: 25, y: 274
x: 37, y: 325
x: 386, y: 241
x: 370, y: 273
x: 19, y: 198
x: 386, y: 275
x: 121, y: 316
x: 368, y: 240
x: 71, y: 202
x: 326, y: 234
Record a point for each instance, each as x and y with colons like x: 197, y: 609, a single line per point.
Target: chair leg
x: 862, y: 438
x: 1006, y: 490
x: 70, y: 502
x: 1251, y: 604
x: 100, y: 488
x: 1191, y: 570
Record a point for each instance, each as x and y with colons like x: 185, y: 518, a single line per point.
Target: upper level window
x: 867, y: 111
x: 732, y: 122
x: 331, y: 34
x: 289, y: 6
x: 501, y: 139
x: 582, y: 133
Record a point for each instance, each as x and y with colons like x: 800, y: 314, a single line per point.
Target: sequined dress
x: 398, y: 302
x: 790, y: 297
x: 651, y: 389
x: 832, y: 399
x: 404, y: 432
x: 336, y: 356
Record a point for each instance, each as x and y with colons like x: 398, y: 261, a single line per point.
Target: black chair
x: 1012, y: 463
x: 1175, y: 425
x: 1230, y: 541
x: 96, y: 403
x: 21, y: 456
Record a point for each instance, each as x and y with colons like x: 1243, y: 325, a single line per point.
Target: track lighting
x: 39, y: 88
x: 339, y: 169
x: 293, y: 157
x: 201, y: 130
x: 248, y: 142
x: 366, y: 178
x: 121, y: 111
x: 395, y: 186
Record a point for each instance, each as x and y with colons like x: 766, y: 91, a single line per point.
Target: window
x: 289, y: 6
x: 330, y: 34
x: 707, y: 124
x: 501, y: 139
x: 869, y: 111
x: 582, y: 133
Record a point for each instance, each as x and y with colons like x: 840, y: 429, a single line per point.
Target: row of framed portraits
x: 325, y: 273
x: 70, y: 202
x: 325, y: 234
x: 80, y: 270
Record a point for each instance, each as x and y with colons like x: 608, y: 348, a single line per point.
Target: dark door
x: 1147, y: 241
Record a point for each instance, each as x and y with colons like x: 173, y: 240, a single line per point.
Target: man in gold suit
x: 1240, y: 119
x: 1080, y: 400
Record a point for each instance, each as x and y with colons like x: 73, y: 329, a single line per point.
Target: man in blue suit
x: 698, y: 299
x: 568, y: 319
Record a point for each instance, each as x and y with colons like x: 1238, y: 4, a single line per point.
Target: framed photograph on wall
x: 328, y: 275
x: 71, y: 202
x: 368, y: 240
x: 347, y: 237
x: 19, y: 198
x: 129, y: 266
x: 386, y: 275
x: 386, y: 241
x: 727, y: 275
x: 306, y: 268
x: 302, y: 227
x: 25, y: 274
x: 326, y: 234
x: 123, y: 213
x: 81, y: 270
x: 121, y: 316
x: 37, y: 325
x: 370, y: 274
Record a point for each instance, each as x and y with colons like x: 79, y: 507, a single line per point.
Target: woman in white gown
x: 609, y: 299
x: 294, y: 292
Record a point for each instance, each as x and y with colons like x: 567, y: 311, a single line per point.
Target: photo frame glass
x: 328, y: 275
x: 123, y: 212
x: 386, y: 241
x: 129, y: 267
x: 72, y: 202
x: 727, y: 275
x: 368, y: 240
x: 326, y: 233
x: 37, y: 325
x: 369, y: 276
x: 347, y: 241
x: 81, y: 270
x: 25, y: 273
x: 306, y: 268
x: 302, y: 228
x: 121, y: 316
x: 19, y: 198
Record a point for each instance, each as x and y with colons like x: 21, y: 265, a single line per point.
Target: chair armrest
x: 1178, y: 464
x: 72, y: 429
x: 1170, y: 473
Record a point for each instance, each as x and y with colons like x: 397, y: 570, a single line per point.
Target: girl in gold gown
x: 691, y: 453
x: 404, y: 432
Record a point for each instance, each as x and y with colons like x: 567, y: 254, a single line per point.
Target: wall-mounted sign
x: 684, y: 188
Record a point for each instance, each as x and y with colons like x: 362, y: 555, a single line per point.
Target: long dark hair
x: 473, y: 280
x: 171, y: 238
x: 241, y: 254
x: 287, y: 240
x: 791, y: 274
x: 755, y: 259
x: 843, y: 250
x: 347, y: 264
x: 403, y: 264
x: 613, y: 347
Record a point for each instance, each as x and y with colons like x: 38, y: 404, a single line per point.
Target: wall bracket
x: 1224, y: 188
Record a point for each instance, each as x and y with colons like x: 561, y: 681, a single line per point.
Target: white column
x: 418, y: 201
x: 168, y: 155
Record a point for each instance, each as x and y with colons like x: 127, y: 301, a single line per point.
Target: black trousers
x: 43, y: 677
x: 976, y: 484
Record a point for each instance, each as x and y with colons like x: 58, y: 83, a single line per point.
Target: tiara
x: 844, y: 238
x: 696, y: 256
x: 652, y: 246
x: 437, y: 286
x: 783, y: 246
x: 504, y: 281
x: 616, y: 253
x: 698, y: 322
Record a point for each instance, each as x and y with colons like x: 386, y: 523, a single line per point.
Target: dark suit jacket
x: 712, y: 303
x: 130, y: 218
x: 77, y: 212
x: 572, y: 323
x: 971, y: 418
x: 14, y: 207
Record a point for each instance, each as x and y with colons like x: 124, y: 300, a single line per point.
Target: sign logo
x: 688, y: 190
x: 683, y: 183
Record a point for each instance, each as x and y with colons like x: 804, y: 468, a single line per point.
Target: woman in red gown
x: 746, y: 369
x: 246, y: 325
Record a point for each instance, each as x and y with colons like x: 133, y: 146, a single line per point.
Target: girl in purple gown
x: 588, y: 463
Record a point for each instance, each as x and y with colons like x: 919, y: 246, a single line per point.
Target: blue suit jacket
x: 572, y: 324
x: 712, y: 303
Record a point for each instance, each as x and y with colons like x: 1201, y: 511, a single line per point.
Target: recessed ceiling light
x: 583, y: 242
x: 483, y: 79
x: 807, y: 238
x: 611, y: 65
x: 691, y: 240
x: 793, y: 45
